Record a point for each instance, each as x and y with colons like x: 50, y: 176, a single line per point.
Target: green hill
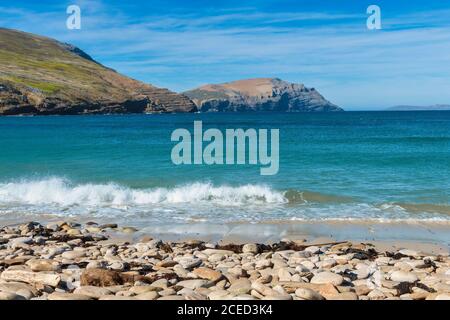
x: 39, y: 75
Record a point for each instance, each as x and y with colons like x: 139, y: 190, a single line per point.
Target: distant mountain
x: 261, y: 94
x: 437, y: 107
x: 39, y: 75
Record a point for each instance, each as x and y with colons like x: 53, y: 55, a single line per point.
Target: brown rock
x: 117, y: 298
x: 240, y: 286
x: 362, y: 290
x: 10, y: 296
x: 419, y: 295
x: 50, y: 279
x: 291, y: 286
x: 328, y: 290
x: 101, y: 278
x: 308, y: 294
x: 376, y: 295
x: 208, y: 274
x: 43, y: 265
x: 93, y: 292
x: 172, y: 298
x: 343, y: 296
x: 141, y: 289
x: 67, y: 296
x: 22, y: 289
x: 16, y: 261
x: 167, y: 264
x: 150, y: 295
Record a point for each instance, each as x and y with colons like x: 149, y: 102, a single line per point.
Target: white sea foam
x: 194, y: 202
x: 58, y: 191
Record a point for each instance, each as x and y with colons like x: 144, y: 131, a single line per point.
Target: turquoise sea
x: 368, y: 166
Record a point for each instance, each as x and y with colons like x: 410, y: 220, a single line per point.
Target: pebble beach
x: 72, y: 261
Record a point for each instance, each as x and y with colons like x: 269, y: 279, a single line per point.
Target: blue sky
x: 323, y: 44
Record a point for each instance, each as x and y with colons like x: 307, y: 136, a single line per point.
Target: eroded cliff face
x: 261, y: 94
x: 42, y: 76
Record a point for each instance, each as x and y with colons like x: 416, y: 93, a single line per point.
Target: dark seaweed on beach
x: 166, y: 248
x: 395, y: 256
x: 236, y: 248
x: 348, y: 274
x: 404, y: 287
x: 198, y: 245
x: 280, y: 246
x: 369, y: 254
x: 428, y: 263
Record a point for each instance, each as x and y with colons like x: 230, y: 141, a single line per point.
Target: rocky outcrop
x: 262, y: 94
x: 41, y: 76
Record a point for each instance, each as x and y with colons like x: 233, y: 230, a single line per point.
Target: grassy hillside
x: 48, y: 73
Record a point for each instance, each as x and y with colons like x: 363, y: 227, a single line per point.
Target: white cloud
x: 336, y: 54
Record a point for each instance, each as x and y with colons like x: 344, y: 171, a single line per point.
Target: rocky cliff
x: 262, y: 94
x: 42, y: 76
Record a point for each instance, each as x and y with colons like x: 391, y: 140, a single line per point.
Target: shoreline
x: 417, y: 232
x: 74, y: 261
x: 431, y: 236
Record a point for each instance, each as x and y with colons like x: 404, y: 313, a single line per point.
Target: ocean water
x: 358, y: 166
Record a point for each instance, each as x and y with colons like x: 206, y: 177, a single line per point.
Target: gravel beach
x: 72, y: 261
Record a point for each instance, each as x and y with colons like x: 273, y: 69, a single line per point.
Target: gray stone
x: 93, y: 292
x: 141, y: 289
x: 67, y: 296
x: 278, y: 297
x: 327, y: 277
x: 189, y: 263
x: 403, y: 276
x: 172, y: 298
x: 193, y: 284
x: 219, y: 295
x: 313, y: 249
x: 73, y: 255
x: 308, y: 294
x: 22, y: 289
x: 10, y: 296
x: 50, y: 279
x: 43, y: 265
x: 241, y: 286
x: 244, y: 297
x: 250, y: 248
x: 217, y: 251
x: 376, y: 295
x: 117, y: 298
x: 150, y: 295
x: 22, y: 242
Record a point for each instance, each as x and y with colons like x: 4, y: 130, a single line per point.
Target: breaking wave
x: 62, y: 192
x: 197, y: 201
